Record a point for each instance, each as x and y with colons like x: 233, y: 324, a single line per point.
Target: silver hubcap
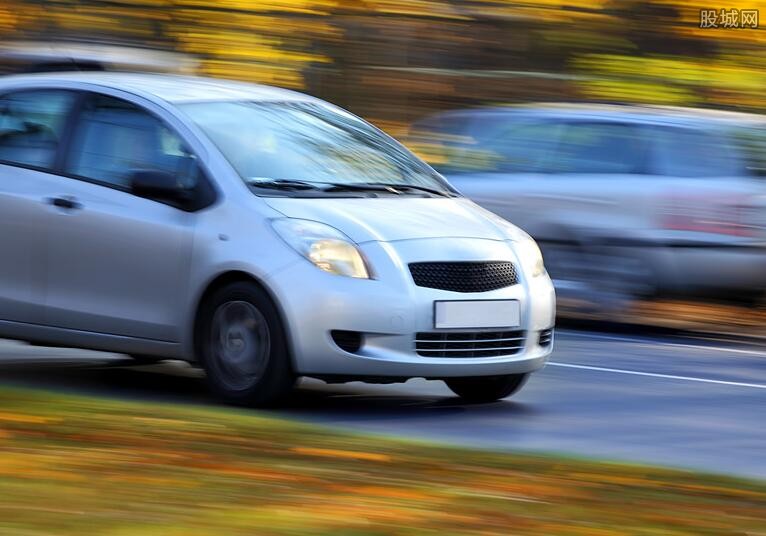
x: 240, y: 344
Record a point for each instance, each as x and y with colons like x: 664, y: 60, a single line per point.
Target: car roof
x: 664, y: 115
x: 167, y: 87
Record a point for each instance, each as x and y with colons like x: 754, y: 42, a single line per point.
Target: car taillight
x: 715, y: 213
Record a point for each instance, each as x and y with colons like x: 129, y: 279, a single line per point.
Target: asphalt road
x: 681, y: 402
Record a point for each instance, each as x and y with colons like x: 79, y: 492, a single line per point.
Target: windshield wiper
x: 283, y: 184
x: 427, y: 189
x: 385, y: 187
x: 293, y: 184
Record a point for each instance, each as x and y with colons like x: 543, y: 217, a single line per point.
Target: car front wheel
x: 486, y: 388
x: 244, y: 347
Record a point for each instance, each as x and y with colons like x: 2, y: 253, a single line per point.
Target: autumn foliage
x: 395, y: 60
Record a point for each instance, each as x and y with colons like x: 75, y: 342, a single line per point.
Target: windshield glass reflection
x: 279, y: 144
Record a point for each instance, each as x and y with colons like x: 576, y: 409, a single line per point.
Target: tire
x: 486, y: 388
x: 243, y: 347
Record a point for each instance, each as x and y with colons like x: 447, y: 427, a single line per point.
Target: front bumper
x: 389, y: 310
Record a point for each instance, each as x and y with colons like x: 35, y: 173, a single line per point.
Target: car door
x: 32, y: 124
x: 710, y: 194
x: 118, y: 263
x: 710, y: 210
x: 521, y: 148
x: 497, y: 157
x: 598, y: 179
x: 590, y: 206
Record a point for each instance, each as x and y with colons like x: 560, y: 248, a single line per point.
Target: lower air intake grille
x: 469, y: 344
x: 350, y: 341
x: 546, y: 336
x: 464, y: 276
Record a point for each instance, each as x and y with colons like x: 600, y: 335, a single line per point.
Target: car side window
x: 519, y: 145
x: 687, y: 152
x: 601, y: 148
x: 31, y: 126
x: 444, y: 142
x: 114, y: 138
x: 488, y: 143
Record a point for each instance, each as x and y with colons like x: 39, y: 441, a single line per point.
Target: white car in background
x: 624, y: 200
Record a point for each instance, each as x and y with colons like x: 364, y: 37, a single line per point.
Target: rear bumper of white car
x: 393, y: 319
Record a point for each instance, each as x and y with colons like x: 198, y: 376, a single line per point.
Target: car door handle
x: 67, y: 203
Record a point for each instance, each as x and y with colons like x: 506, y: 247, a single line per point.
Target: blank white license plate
x: 477, y: 314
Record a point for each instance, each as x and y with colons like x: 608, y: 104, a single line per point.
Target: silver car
x: 625, y: 201
x: 261, y: 233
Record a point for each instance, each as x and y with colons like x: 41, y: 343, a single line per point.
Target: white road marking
x: 619, y: 338
x: 656, y: 375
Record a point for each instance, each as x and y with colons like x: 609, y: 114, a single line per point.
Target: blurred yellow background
x: 396, y: 60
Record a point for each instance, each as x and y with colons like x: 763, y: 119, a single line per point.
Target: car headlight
x: 325, y: 246
x: 530, y: 256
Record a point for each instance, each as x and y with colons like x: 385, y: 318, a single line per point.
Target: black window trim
x: 206, y: 196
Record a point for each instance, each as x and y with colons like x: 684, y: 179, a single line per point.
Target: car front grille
x: 464, y: 276
x: 469, y: 344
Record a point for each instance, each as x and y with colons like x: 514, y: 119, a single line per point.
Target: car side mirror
x: 156, y: 184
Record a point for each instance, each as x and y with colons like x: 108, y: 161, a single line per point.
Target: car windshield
x: 296, y: 147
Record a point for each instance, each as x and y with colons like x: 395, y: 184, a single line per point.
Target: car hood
x: 390, y: 219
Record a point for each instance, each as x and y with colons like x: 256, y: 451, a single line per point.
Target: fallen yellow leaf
x: 347, y: 454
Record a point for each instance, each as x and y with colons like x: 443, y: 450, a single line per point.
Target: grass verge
x: 74, y: 465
